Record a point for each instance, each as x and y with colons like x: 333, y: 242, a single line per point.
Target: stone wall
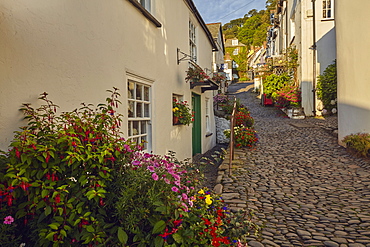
x: 221, y: 125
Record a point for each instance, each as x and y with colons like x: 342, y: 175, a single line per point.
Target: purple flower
x: 155, y: 176
x: 151, y: 168
x: 166, y: 181
x: 175, y: 189
x: 136, y: 162
x: 8, y: 220
x: 127, y: 147
x: 146, y: 155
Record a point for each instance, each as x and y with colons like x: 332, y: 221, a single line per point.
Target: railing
x: 232, y: 123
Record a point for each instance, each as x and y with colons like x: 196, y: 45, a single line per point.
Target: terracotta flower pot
x: 175, y: 120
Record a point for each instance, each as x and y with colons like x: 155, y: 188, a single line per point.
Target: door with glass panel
x: 139, y: 113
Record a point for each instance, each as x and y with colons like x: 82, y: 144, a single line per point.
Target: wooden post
x: 232, y: 140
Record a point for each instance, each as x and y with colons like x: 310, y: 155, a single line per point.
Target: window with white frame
x: 208, y: 117
x: 236, y: 51
x: 327, y: 9
x: 192, y: 41
x: 146, y: 4
x: 139, y: 115
x: 234, y: 42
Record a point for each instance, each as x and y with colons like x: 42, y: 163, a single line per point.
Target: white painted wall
x: 325, y: 42
x: 77, y: 49
x: 352, y: 67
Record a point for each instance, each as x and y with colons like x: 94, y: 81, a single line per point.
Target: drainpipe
x: 286, y: 26
x: 314, y: 56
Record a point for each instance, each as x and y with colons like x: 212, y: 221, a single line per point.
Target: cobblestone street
x: 304, y: 188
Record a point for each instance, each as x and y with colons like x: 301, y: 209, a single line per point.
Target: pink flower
x: 184, y: 196
x: 175, y: 189
x: 155, y: 176
x: 146, y: 155
x: 151, y: 168
x: 175, y: 176
x: 136, y: 162
x: 166, y: 180
x: 8, y: 220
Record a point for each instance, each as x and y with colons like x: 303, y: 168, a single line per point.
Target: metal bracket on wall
x: 185, y: 57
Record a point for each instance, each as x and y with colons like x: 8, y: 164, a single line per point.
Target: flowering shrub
x: 244, y: 136
x: 243, y: 117
x: 8, y: 234
x: 207, y: 223
x: 182, y: 111
x: 221, y: 99
x: 218, y: 77
x: 72, y: 180
x: 288, y: 96
x: 273, y: 83
x: 358, y: 143
x: 195, y: 74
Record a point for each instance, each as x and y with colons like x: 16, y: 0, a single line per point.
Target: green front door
x: 197, y: 131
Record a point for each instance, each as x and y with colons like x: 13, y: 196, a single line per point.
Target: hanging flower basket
x: 195, y: 75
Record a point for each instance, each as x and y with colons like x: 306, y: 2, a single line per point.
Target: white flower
x: 332, y: 102
x: 334, y: 110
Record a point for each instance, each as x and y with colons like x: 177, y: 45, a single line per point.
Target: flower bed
x: 72, y: 180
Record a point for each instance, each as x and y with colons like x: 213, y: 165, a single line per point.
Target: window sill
x: 146, y: 13
x: 328, y: 19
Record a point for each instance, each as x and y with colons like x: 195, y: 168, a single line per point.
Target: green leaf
x: 63, y: 233
x: 54, y: 226
x: 23, y: 157
x: 122, y: 235
x: 90, y: 228
x: 161, y: 209
x: 50, y: 235
x: 87, y: 214
x: 44, y: 193
x: 76, y: 222
x: 159, y: 227
x: 178, y: 238
x: 47, y: 210
x: 158, y: 241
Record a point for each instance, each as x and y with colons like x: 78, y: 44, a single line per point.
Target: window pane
x: 129, y: 128
x: 131, y: 109
x: 135, y: 130
x: 139, y: 92
x: 146, y: 110
x: 130, y: 90
x: 139, y: 109
x: 144, y: 140
x: 146, y: 93
x: 143, y: 127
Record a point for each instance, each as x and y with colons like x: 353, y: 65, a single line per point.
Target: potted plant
x: 181, y: 112
x: 195, y: 74
x: 218, y: 77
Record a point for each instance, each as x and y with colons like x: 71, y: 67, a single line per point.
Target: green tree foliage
x: 252, y: 28
x: 327, y: 87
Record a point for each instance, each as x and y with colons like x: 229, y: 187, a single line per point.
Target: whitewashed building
x: 309, y: 26
x: 353, y: 72
x: 77, y: 49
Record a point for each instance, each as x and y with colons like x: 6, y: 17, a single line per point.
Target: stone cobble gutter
x: 304, y: 188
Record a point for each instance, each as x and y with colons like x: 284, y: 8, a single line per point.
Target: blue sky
x: 225, y: 10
